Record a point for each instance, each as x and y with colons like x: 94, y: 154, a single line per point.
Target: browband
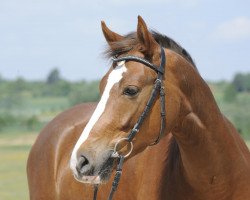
x: 143, y: 61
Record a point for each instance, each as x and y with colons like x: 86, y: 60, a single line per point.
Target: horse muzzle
x: 87, y: 169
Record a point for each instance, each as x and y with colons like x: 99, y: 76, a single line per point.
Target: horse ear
x: 145, y: 37
x: 109, y: 35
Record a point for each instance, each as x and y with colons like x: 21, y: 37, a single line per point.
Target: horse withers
x: 200, y: 154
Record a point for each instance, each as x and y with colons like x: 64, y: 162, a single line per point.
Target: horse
x: 156, y: 114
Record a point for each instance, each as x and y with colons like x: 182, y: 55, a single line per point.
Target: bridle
x: 158, y: 88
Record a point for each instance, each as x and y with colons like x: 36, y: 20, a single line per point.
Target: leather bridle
x: 158, y: 88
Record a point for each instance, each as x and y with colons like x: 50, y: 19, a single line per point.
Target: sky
x: 37, y: 36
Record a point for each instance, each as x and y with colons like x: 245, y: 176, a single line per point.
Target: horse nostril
x: 82, y: 164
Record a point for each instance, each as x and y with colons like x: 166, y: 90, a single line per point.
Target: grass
x: 15, y: 144
x: 14, y: 150
x: 13, y: 182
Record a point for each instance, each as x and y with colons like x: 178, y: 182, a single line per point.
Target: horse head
x: 125, y: 91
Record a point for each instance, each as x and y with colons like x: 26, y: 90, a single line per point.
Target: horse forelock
x: 121, y: 47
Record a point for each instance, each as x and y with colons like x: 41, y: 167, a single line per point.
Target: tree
x: 230, y: 93
x: 18, y: 85
x: 54, y: 76
x: 241, y: 82
x: 1, y: 78
x: 32, y: 122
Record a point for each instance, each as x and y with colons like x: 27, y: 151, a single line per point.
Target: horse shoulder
x: 48, y: 158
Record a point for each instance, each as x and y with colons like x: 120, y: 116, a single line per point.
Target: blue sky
x: 36, y: 36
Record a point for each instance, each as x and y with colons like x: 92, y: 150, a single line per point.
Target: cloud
x: 235, y: 29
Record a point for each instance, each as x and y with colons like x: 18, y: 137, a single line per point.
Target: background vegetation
x: 27, y: 106
x: 233, y: 99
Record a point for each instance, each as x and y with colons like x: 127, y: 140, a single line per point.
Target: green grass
x: 14, y: 150
x: 13, y: 181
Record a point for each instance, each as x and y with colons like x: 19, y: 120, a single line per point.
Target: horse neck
x: 207, y: 142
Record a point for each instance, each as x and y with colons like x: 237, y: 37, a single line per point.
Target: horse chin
x: 89, y: 179
x: 93, y: 180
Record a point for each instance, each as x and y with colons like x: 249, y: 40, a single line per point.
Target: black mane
x: 169, y: 43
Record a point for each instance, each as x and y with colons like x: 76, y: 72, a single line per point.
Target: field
x: 13, y: 153
x: 16, y: 141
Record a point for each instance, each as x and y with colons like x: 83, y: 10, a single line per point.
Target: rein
x: 158, y: 88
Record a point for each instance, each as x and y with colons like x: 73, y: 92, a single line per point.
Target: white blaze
x: 114, y: 77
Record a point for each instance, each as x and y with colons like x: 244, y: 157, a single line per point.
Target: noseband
x: 158, y: 88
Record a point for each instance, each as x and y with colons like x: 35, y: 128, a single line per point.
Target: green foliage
x: 20, y: 122
x: 241, y: 114
x: 32, y: 122
x: 29, y: 105
x: 230, y: 93
x: 53, y: 77
x: 5, y: 120
x: 59, y: 88
x: 12, y: 100
x: 1, y: 78
x: 84, y: 92
x: 12, y: 93
x: 236, y: 110
x: 241, y: 82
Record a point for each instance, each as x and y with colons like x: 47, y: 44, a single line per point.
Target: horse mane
x: 130, y: 41
x: 169, y: 43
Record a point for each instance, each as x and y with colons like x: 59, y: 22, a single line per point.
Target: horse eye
x: 131, y: 91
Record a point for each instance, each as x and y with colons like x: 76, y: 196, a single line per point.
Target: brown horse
x: 199, y: 156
